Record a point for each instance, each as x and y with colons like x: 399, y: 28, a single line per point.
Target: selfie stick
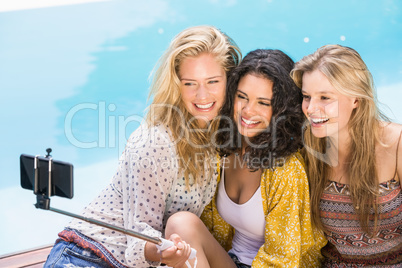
x: 161, y: 243
x: 43, y: 202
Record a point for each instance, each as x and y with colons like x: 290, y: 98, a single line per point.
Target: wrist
x: 151, y: 252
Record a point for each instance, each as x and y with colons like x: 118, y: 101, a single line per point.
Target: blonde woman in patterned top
x: 354, y: 160
x: 159, y: 173
x: 260, y: 215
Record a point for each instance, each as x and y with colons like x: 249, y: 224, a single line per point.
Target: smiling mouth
x: 317, y: 121
x: 249, y: 122
x: 204, y: 106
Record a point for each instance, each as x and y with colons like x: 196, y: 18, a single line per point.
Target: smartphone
x: 60, y: 180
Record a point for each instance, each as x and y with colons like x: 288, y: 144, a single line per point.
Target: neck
x: 244, y: 143
x: 202, y: 124
x: 340, y: 148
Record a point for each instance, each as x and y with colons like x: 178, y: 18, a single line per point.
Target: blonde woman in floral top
x: 158, y: 174
x: 260, y: 214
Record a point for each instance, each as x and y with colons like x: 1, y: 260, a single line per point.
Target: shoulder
x: 150, y: 143
x: 145, y: 135
x: 294, y: 162
x: 150, y: 150
x: 389, y: 150
x: 292, y: 172
x: 389, y: 132
x: 286, y: 182
x: 390, y: 135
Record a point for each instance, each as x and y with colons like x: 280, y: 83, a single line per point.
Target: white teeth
x: 249, y: 122
x: 206, y: 106
x: 319, y: 120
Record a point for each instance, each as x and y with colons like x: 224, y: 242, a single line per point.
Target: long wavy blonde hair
x: 192, y: 142
x: 349, y: 75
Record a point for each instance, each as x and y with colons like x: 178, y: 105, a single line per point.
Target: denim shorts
x: 237, y: 262
x: 66, y: 254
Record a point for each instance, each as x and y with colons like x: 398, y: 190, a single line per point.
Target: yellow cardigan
x: 290, y: 238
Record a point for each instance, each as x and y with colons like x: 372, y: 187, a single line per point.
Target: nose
x: 248, y: 109
x: 202, y: 92
x: 311, y: 106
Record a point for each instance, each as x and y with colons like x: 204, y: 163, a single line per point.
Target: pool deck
x: 32, y: 258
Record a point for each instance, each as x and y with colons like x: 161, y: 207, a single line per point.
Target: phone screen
x: 61, y: 179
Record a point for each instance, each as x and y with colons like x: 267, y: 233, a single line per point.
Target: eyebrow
x: 208, y: 78
x: 320, y: 92
x: 257, y: 98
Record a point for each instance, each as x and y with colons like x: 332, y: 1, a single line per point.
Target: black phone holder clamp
x: 42, y: 199
x: 42, y: 202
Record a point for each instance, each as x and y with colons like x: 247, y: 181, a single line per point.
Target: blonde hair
x: 349, y: 75
x: 167, y: 107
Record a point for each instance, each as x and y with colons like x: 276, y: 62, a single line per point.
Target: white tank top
x: 247, y: 219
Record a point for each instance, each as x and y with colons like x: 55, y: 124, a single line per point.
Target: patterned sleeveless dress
x: 348, y: 245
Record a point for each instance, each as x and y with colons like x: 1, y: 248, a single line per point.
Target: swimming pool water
x: 75, y: 78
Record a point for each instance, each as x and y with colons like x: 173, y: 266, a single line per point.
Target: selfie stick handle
x: 161, y: 243
x: 167, y: 244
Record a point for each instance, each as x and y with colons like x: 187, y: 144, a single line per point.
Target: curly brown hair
x: 282, y: 137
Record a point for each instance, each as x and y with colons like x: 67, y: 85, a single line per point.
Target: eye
x: 213, y: 81
x: 265, y: 103
x: 306, y: 97
x: 188, y: 84
x: 241, y: 96
x: 324, y: 98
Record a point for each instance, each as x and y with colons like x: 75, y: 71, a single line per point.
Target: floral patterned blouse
x: 146, y: 190
x: 290, y: 238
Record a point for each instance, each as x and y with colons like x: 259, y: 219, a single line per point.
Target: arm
x: 146, y: 172
x: 290, y: 240
x: 399, y: 156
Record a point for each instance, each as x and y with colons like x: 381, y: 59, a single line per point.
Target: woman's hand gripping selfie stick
x: 167, y: 244
x: 164, y: 244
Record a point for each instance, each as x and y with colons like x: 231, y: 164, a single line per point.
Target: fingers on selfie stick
x: 167, y: 244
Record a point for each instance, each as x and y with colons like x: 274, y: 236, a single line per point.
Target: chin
x: 248, y: 134
x: 319, y: 134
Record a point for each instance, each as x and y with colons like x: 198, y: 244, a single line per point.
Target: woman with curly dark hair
x: 261, y: 211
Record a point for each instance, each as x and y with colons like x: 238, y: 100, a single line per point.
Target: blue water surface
x: 75, y: 78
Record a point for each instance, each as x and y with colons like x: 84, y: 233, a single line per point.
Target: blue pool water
x: 75, y: 78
